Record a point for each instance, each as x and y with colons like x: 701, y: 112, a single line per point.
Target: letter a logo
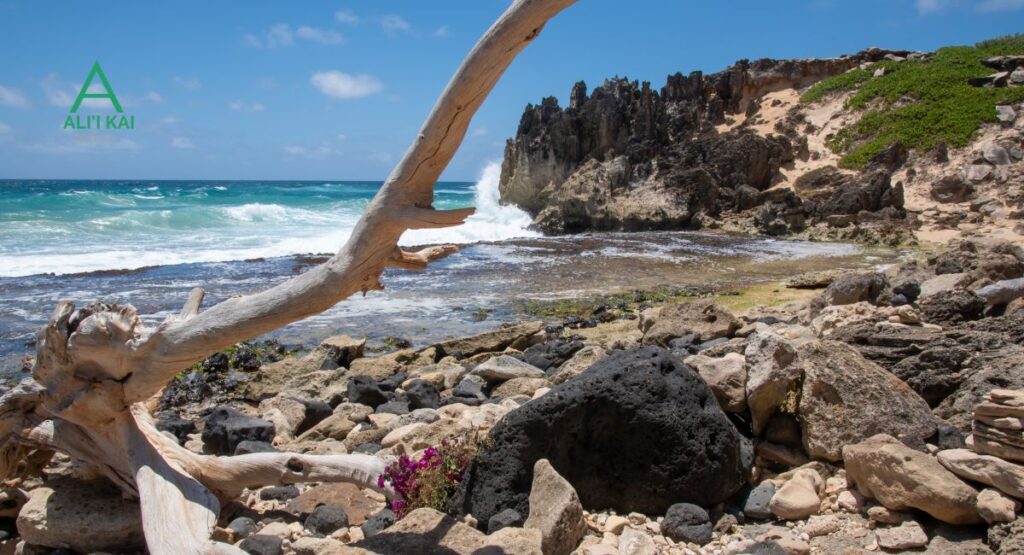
x: 83, y: 94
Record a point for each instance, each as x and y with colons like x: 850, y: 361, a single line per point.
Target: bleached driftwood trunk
x: 96, y: 366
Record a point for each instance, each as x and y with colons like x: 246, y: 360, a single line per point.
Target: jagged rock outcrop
x: 627, y: 157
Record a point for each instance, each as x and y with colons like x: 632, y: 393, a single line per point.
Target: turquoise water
x: 149, y: 243
x: 67, y: 227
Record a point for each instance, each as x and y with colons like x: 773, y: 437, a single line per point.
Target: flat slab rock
x: 428, y: 531
x: 87, y: 516
x: 637, y: 431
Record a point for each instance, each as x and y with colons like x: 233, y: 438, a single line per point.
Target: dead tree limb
x: 96, y: 366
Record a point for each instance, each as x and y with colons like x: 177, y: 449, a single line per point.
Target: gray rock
x: 225, y: 428
x: 422, y: 395
x: 503, y: 368
x: 262, y: 544
x: 504, y: 519
x: 685, y: 522
x: 377, y: 523
x: 995, y: 154
x: 325, y: 519
x: 756, y: 505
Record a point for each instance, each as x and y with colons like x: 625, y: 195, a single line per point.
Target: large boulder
x: 225, y: 428
x: 84, y: 516
x: 901, y: 478
x: 638, y: 431
x: 705, y: 318
x: 846, y: 398
x: 855, y: 288
x: 952, y: 307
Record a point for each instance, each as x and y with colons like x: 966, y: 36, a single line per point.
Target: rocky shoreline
x: 881, y: 414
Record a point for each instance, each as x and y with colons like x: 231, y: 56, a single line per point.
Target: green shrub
x: 919, y: 103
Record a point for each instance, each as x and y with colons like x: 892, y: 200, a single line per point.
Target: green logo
x: 76, y: 121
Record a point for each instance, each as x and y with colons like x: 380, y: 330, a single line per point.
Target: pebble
x: 907, y: 536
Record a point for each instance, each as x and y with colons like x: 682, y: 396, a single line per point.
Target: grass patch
x: 919, y: 103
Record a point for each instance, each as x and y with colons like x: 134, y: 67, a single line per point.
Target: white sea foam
x: 492, y: 221
x: 138, y: 238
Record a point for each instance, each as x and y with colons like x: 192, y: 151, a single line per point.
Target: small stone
x: 615, y: 524
x: 995, y: 507
x: 822, y: 525
x: 279, y: 493
x: 378, y: 523
x: 1006, y: 114
x: 850, y: 501
x: 995, y: 154
x: 685, y: 522
x: 878, y: 513
x: 242, y: 527
x: 503, y: 368
x: 504, y: 519
x: 365, y: 391
x: 422, y: 395
x: 910, y: 535
x: 260, y: 544
x: 635, y: 542
x: 325, y: 519
x: 757, y: 504
x: 798, y: 498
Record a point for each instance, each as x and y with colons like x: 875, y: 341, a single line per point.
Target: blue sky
x: 336, y: 90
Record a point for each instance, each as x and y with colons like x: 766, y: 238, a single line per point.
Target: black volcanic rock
x: 637, y: 431
x: 629, y: 157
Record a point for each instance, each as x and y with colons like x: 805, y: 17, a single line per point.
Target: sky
x: 320, y: 90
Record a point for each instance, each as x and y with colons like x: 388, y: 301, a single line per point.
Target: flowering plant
x: 429, y: 480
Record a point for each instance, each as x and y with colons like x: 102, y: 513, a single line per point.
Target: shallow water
x: 440, y: 302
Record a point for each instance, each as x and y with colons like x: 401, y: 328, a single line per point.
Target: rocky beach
x: 742, y: 322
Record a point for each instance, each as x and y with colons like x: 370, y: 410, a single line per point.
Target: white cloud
x: 320, y: 152
x: 13, y: 98
x: 182, y: 143
x: 4, y: 128
x: 480, y: 132
x: 441, y: 32
x: 321, y: 36
x: 282, y: 35
x: 337, y: 84
x: 252, y: 40
x: 57, y: 92
x: 279, y: 35
x: 989, y: 6
x: 346, y: 16
x: 154, y: 97
x: 188, y: 83
x: 341, y: 137
x: 394, y: 24
x: 169, y: 120
x: 243, y: 106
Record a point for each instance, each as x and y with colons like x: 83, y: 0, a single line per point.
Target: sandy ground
x: 828, y: 116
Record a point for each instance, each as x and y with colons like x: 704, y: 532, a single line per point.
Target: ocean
x: 149, y: 242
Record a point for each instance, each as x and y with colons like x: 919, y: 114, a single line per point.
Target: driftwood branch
x: 96, y: 366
